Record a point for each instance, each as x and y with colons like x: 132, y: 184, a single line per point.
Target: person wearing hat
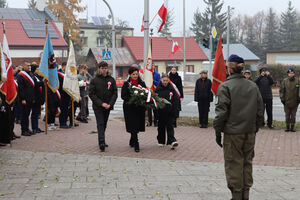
x: 289, y: 96
x: 39, y: 95
x: 264, y: 82
x: 103, y: 92
x: 239, y: 114
x: 247, y: 74
x: 134, y: 115
x: 203, y: 96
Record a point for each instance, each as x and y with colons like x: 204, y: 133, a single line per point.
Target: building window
x: 189, y: 68
x: 84, y: 40
x: 100, y: 42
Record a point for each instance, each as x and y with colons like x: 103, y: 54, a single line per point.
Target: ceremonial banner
x: 70, y: 84
x: 3, y: 74
x: 219, y: 70
x: 9, y: 87
x: 48, y: 66
x: 148, y: 73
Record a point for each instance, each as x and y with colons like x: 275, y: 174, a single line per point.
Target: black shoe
x: 201, y: 126
x: 34, y: 131
x: 31, y: 132
x: 78, y: 119
x: 64, y: 126
x: 16, y: 136
x: 293, y: 128
x: 271, y: 126
x: 102, y: 147
x: 287, y: 128
x: 137, y: 147
x: 106, y: 145
x: 25, y: 133
x: 131, y: 143
x: 205, y: 126
x: 40, y: 130
x: 84, y: 121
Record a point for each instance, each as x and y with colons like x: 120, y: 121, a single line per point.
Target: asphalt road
x: 189, y: 108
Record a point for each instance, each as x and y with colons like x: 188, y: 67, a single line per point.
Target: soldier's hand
x: 219, y: 139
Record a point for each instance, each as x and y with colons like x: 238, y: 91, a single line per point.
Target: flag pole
x: 153, y: 19
x: 73, y: 118
x: 10, y: 132
x: 46, y: 86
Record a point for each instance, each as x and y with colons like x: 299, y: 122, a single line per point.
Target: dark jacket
x: 65, y: 98
x: 176, y: 79
x: 4, y: 122
x: 239, y: 106
x: 103, y: 89
x: 169, y: 94
x: 134, y: 115
x: 289, y: 92
x: 39, y: 89
x: 25, y: 89
x: 264, y: 84
x: 203, y: 90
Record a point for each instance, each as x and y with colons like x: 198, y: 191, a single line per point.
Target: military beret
x: 235, y: 58
x: 291, y: 70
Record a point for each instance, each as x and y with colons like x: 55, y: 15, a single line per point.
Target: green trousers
x: 238, y: 156
x: 290, y: 115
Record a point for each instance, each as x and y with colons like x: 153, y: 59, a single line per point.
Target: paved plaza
x: 67, y: 164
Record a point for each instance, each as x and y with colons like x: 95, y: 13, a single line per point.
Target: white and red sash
x: 27, y: 77
x: 175, y: 88
x: 58, y: 95
x: 61, y: 74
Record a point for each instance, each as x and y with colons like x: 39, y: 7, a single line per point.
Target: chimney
x: 41, y: 4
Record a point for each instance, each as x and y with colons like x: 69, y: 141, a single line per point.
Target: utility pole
x: 228, y: 32
x: 113, y: 39
x: 146, y: 31
x: 184, y: 45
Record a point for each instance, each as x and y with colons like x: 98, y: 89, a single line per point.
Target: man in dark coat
x: 103, y: 93
x: 176, y: 79
x: 39, y: 95
x: 203, y: 96
x: 26, y: 94
x: 289, y: 96
x: 4, y: 122
x: 264, y: 83
x: 239, y: 114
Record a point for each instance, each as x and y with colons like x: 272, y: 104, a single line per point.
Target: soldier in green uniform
x: 239, y: 114
x: 289, y: 96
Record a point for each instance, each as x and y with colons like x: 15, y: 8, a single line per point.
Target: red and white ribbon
x: 175, y: 88
x: 58, y: 95
x: 27, y: 77
x: 171, y: 95
x: 108, y: 85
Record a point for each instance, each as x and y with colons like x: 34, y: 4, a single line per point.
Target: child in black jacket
x: 168, y: 113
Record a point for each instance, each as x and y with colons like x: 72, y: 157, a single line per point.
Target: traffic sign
x: 106, y: 55
x: 214, y: 32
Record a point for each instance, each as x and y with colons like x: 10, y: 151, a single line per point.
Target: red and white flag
x: 9, y: 87
x: 163, y: 14
x: 175, y: 47
x: 143, y: 25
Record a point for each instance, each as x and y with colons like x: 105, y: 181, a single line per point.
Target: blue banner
x: 48, y: 66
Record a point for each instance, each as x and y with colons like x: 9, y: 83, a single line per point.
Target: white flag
x: 148, y: 73
x: 3, y: 74
x: 70, y: 84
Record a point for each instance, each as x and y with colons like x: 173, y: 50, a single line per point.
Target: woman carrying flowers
x: 134, y: 114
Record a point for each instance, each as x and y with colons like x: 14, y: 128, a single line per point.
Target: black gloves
x: 219, y: 139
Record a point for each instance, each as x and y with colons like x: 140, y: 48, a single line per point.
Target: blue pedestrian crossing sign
x: 106, y: 55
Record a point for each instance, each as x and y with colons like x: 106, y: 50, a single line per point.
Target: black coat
x: 134, y: 115
x: 176, y: 79
x: 100, y: 91
x: 169, y: 94
x: 25, y: 89
x: 65, y: 98
x: 39, y: 89
x: 4, y: 122
x: 203, y: 90
x: 264, y: 84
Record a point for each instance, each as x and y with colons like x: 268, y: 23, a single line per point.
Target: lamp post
x: 184, y: 45
x: 113, y: 39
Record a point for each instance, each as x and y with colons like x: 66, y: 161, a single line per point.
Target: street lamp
x: 113, y: 38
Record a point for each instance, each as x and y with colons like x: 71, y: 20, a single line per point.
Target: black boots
x: 134, y: 142
x: 137, y: 147
x: 293, y: 128
x: 287, y: 128
x: 131, y: 142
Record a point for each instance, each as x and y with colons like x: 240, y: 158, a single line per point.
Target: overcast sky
x: 132, y: 10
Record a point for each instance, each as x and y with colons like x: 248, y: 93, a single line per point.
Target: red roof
x: 17, y: 36
x: 161, y: 48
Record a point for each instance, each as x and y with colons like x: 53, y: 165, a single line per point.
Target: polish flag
x: 175, y: 47
x: 163, y: 14
x: 143, y: 25
x: 9, y: 87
